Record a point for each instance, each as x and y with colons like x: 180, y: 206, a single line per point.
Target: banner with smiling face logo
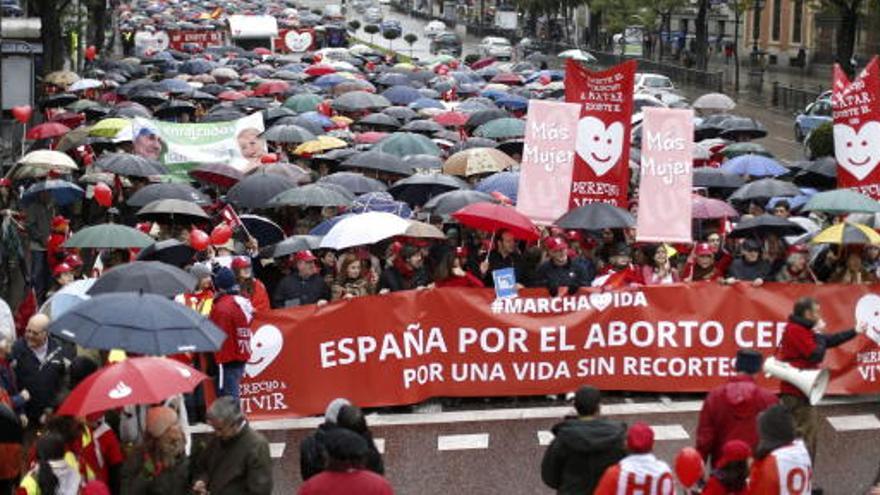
x: 856, y: 107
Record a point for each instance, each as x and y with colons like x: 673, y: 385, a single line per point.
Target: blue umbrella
x: 196, y: 66
x: 468, y: 89
x: 329, y: 80
x: 506, y: 183
x: 402, y: 95
x: 354, y: 182
x: 394, y: 79
x: 754, y: 166
x: 318, y: 118
x: 512, y: 102
x: 426, y: 103
x: 176, y: 86
x: 495, y: 94
x: 325, y: 226
x: 62, y: 192
x: 380, y: 201
x: 793, y: 202
x: 555, y: 75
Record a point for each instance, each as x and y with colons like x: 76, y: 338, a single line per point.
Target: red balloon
x: 544, y: 79
x: 221, y: 234
x: 103, y: 195
x: 198, y: 239
x: 91, y: 53
x: 269, y: 158
x: 22, y: 113
x: 689, y: 466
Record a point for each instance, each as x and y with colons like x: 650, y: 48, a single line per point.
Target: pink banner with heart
x: 666, y: 176
x: 856, y: 107
x: 601, y: 162
x: 545, y: 176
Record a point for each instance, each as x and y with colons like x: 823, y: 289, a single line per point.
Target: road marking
x: 380, y: 444
x: 463, y: 442
x: 276, y: 449
x: 545, y: 437
x: 854, y: 423
x: 669, y: 432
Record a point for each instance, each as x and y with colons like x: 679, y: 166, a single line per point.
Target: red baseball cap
x: 240, y: 262
x: 555, y: 244
x: 733, y: 450
x: 461, y: 252
x: 704, y: 249
x: 59, y: 221
x: 640, y: 438
x: 61, y: 268
x: 74, y: 261
x: 797, y: 248
x: 5, y: 182
x: 304, y: 256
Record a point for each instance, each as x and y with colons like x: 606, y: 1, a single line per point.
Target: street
x: 500, y: 450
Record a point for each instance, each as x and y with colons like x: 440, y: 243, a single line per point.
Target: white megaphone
x: 811, y: 382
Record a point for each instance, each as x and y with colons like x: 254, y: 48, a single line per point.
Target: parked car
x: 434, y: 28
x: 495, y: 47
x: 446, y: 42
x: 813, y: 116
x: 653, y: 82
x: 391, y: 26
x: 373, y: 15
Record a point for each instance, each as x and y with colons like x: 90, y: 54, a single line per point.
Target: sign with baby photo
x: 182, y: 147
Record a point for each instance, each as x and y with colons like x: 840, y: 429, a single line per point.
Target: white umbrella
x: 714, y: 101
x: 69, y: 296
x: 364, y: 229
x: 577, y: 54
x: 84, y: 84
x: 809, y: 225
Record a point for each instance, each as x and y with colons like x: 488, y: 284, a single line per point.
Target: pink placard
x: 666, y: 176
x: 548, y: 153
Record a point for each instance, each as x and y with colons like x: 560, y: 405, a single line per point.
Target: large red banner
x: 406, y: 347
x: 856, y: 107
x: 203, y: 38
x: 601, y: 164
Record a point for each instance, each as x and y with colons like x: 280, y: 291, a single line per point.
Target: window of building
x: 797, y: 23
x: 777, y: 20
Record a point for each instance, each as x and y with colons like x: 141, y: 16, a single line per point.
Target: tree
x: 410, y: 39
x: 371, y: 29
x: 354, y: 25
x: 661, y: 19
x: 390, y: 35
x: 51, y: 34
x: 849, y: 12
x: 701, y: 37
x: 96, y: 29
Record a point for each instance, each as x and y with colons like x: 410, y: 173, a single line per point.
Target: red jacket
x: 359, y: 481
x: 803, y: 348
x: 730, y: 412
x: 55, y: 250
x: 233, y: 314
x: 259, y: 297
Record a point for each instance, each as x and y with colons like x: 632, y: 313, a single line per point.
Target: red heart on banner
x: 22, y: 113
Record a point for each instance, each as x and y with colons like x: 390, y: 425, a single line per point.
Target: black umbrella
x: 253, y: 103
x: 379, y: 121
x: 596, y: 216
x: 452, y: 201
x: 475, y: 142
x: 272, y: 114
x: 166, y: 190
x: 420, y: 188
x: 422, y: 126
x: 131, y: 110
x: 292, y: 245
x: 337, y: 155
x: 255, y: 190
x: 153, y: 277
x: 765, y: 189
x: 130, y: 165
x: 380, y: 161
x: 742, y: 128
x: 170, y: 251
x: 148, y: 97
x: 354, y: 182
x: 710, y: 127
x: 479, y: 118
x: 716, y: 178
x: 359, y: 100
x: 58, y: 100
x: 424, y: 162
x: 139, y: 323
x: 174, y: 211
x: 310, y: 195
x: 821, y: 173
x: 288, y: 134
x: 763, y: 225
x: 173, y: 108
x: 262, y: 229
x: 402, y: 114
x: 310, y: 125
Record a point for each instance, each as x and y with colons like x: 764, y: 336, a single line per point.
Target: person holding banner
x: 803, y: 346
x: 701, y: 266
x: 505, y: 255
x: 619, y: 272
x: 560, y: 274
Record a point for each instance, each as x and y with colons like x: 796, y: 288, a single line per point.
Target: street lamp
x: 756, y: 25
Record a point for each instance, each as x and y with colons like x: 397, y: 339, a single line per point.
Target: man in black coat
x: 407, y: 272
x: 304, y: 286
x: 584, y: 447
x: 40, y: 363
x: 561, y: 271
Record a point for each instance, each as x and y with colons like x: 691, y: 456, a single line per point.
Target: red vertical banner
x: 856, y: 107
x: 601, y: 163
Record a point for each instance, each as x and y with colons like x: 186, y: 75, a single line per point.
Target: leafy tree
x: 354, y: 25
x: 820, y: 141
x: 410, y: 39
x: 371, y: 29
x: 390, y: 35
x: 50, y: 13
x: 849, y: 12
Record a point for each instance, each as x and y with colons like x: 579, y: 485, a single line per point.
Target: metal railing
x: 681, y: 75
x: 793, y: 98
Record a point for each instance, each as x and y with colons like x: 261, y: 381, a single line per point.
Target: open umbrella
x: 742, y: 128
x: 705, y: 208
x: 354, y: 182
x: 303, y: 102
x: 309, y: 195
x: 579, y: 55
x: 108, y: 236
x: 289, y: 171
x: 292, y: 245
x: 596, y: 216
x: 821, y: 173
x: 380, y: 201
x: 262, y: 229
x: 764, y: 189
x: 714, y: 101
x: 130, y: 165
x: 355, y: 101
x: 492, y: 217
x: 170, y: 251
x: 364, y: 229
x: 842, y: 201
x: 63, y: 192
x: 219, y: 174
x: 153, y: 277
x: 764, y: 225
x: 449, y: 202
x: 319, y: 145
x: 407, y: 143
x: 754, y: 166
x: 503, y: 128
x: 716, y: 178
x: 401, y: 95
x: 379, y: 161
x: 734, y: 150
x: 506, y: 183
x: 422, y: 230
x: 166, y: 190
x: 175, y: 211
x: 255, y: 190
x: 379, y: 121
x: 47, y: 130
x: 140, y: 380
x: 288, y: 133
x: 67, y: 297
x: 847, y: 233
x: 420, y: 188
x: 474, y: 161
x: 38, y: 164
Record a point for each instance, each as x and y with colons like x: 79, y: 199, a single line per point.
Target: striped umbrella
x: 846, y: 234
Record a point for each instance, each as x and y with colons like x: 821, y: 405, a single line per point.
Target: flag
x: 230, y: 216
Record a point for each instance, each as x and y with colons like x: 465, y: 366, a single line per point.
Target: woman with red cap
x: 55, y: 253
x: 731, y: 473
x: 250, y: 286
x: 702, y: 266
x: 640, y: 471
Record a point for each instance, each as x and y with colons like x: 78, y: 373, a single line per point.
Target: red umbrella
x: 319, y: 70
x: 451, y: 119
x: 706, y: 208
x: 483, y: 62
x: 140, y: 380
x: 231, y: 95
x: 493, y: 217
x: 69, y: 119
x: 371, y: 137
x: 47, y: 131
x: 507, y: 78
x: 219, y: 174
x: 271, y: 88
x: 262, y: 51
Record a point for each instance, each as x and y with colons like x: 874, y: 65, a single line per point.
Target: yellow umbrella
x: 323, y: 143
x: 61, y: 78
x: 109, y: 128
x: 847, y: 233
x: 342, y: 119
x: 405, y: 67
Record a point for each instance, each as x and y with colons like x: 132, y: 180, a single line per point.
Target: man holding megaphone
x: 802, y: 349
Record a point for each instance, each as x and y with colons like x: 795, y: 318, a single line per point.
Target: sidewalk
x: 817, y: 77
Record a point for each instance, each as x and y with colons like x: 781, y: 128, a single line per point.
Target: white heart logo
x: 298, y: 42
x: 857, y: 152
x: 598, y: 145
x: 120, y: 391
x: 600, y: 300
x: 868, y: 312
x: 266, y: 344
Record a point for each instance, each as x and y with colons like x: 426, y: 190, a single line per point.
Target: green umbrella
x: 109, y: 236
x: 304, y: 102
x: 80, y: 105
x: 840, y: 201
x: 736, y: 149
x: 407, y: 143
x: 504, y: 128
